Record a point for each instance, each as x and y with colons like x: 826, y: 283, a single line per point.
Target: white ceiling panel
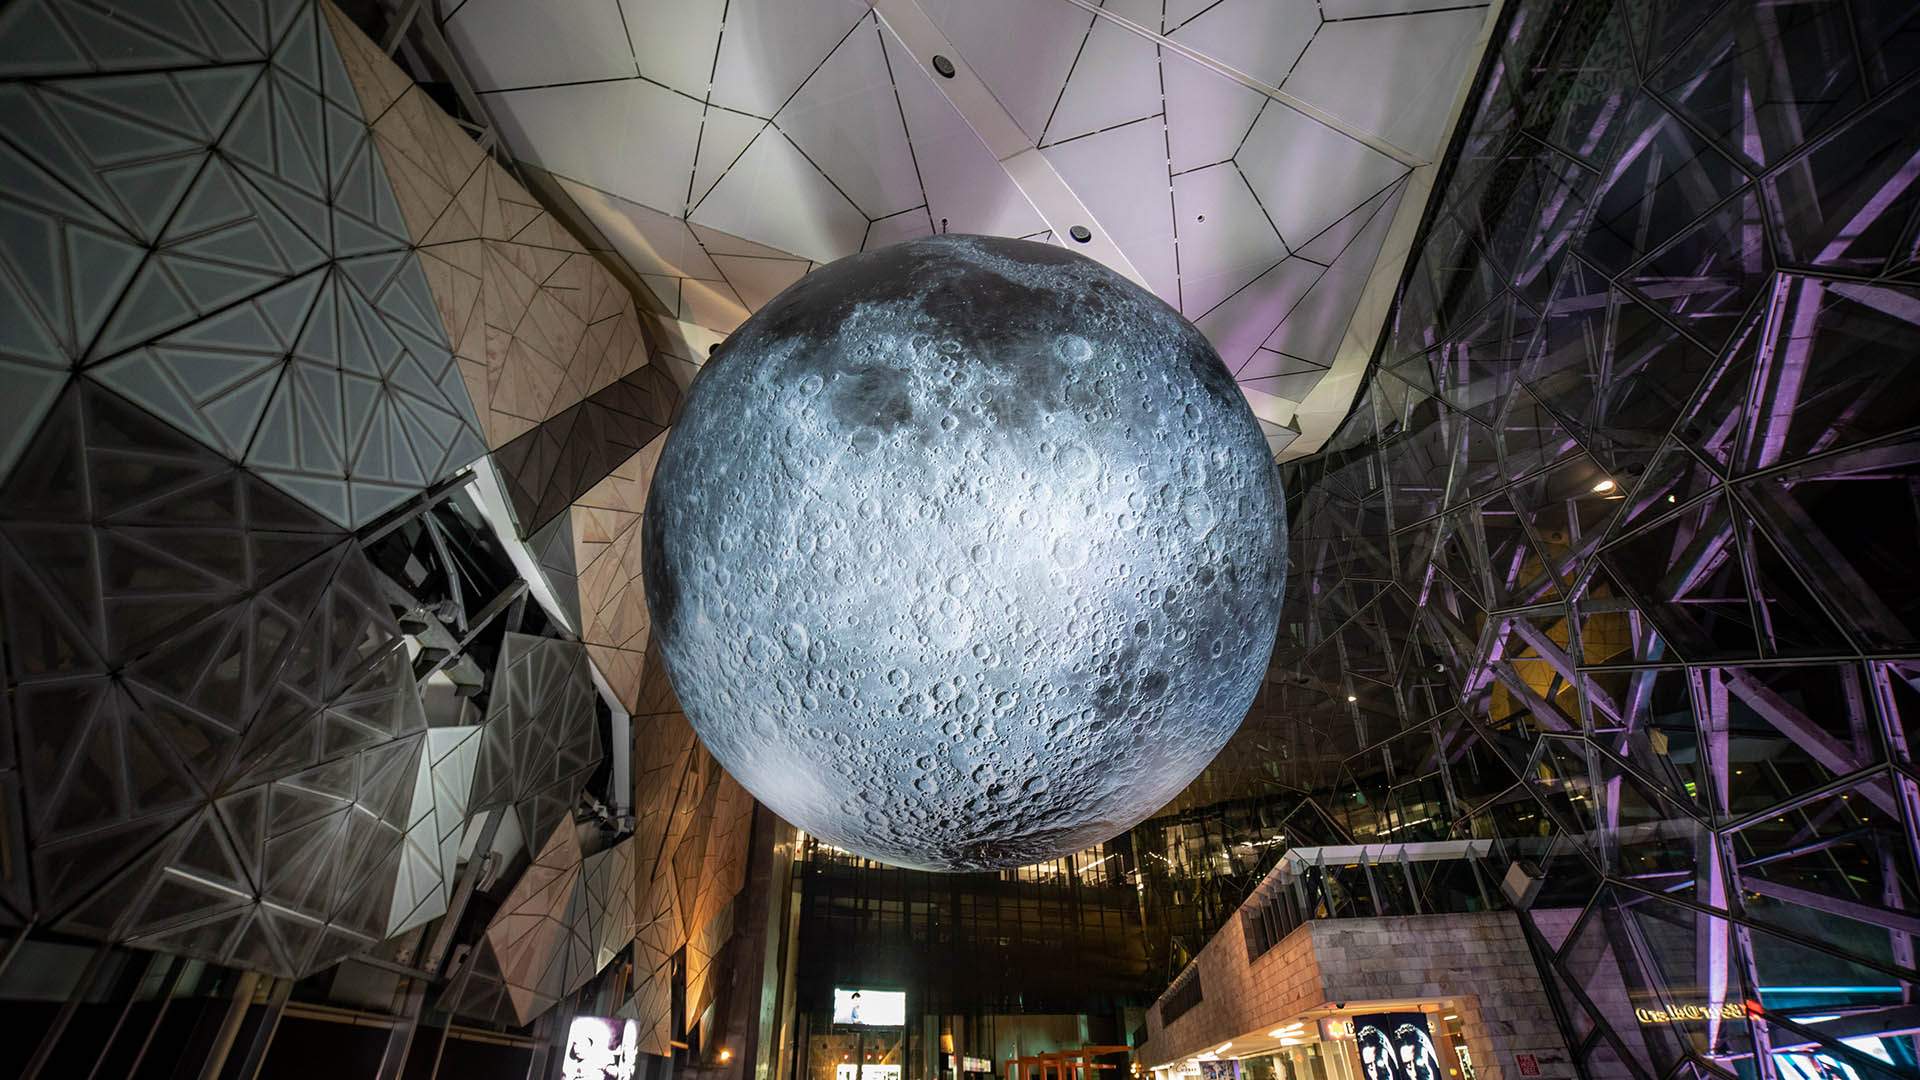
x: 1335, y: 10
x: 1261, y: 38
x: 724, y: 136
x: 629, y: 137
x: 769, y: 47
x: 511, y: 43
x: 758, y: 280
x: 666, y: 290
x: 908, y: 226
x: 712, y: 304
x: 719, y: 243
x: 847, y: 120
x: 1179, y: 11
x: 674, y: 41
x: 1314, y: 329
x: 1334, y: 239
x: 1267, y: 364
x: 1208, y: 114
x: 650, y: 241
x: 966, y: 187
x: 1241, y: 321
x: 774, y: 195
x: 1393, y: 77
x: 758, y: 137
x: 1116, y: 78
x: 1022, y: 49
x: 1225, y: 240
x: 1121, y: 176
x: 1309, y: 176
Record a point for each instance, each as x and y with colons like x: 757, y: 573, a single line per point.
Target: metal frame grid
x: 1608, y: 565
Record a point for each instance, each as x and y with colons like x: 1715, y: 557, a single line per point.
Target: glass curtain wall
x: 1612, y: 562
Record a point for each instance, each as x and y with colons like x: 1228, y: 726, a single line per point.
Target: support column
x: 243, y: 989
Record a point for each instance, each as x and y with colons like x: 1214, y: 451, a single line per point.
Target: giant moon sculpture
x: 965, y: 553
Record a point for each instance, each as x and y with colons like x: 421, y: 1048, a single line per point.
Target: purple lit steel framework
x: 1612, y: 563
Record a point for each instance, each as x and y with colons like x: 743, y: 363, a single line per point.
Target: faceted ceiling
x: 1245, y: 159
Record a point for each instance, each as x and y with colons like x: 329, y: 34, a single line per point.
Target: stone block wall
x: 1478, y: 965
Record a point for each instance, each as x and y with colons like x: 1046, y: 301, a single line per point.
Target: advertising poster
x: 1396, y: 1046
x: 870, y: 1008
x: 1220, y: 1070
x: 600, y: 1049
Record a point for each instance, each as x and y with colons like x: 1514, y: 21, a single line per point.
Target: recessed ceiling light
x: 1603, y: 487
x: 1080, y: 233
x: 944, y: 66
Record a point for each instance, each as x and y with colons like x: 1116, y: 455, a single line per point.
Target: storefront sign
x: 1527, y: 1064
x: 1680, y: 1014
x: 845, y: 1071
x: 1396, y: 1046
x: 1220, y: 1070
x: 975, y: 1064
x: 1336, y: 1027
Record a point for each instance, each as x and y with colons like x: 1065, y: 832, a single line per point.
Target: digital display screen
x: 600, y: 1048
x: 1396, y: 1046
x: 871, y: 1008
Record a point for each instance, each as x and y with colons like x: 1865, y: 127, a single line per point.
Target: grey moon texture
x: 965, y: 553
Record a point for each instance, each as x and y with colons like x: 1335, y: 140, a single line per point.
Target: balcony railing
x: 1356, y: 881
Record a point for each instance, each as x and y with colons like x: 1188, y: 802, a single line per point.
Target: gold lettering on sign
x: 1680, y: 1014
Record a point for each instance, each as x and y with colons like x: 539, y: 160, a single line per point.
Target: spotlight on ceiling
x: 1080, y: 233
x: 1603, y: 487
x: 944, y: 66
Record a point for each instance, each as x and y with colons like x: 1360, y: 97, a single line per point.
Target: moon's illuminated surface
x: 965, y: 553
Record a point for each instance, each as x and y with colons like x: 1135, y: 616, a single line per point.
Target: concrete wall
x: 1479, y: 963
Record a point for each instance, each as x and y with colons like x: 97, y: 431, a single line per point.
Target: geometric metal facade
x: 615, y: 623
x: 690, y: 846
x: 216, y: 720
x: 565, y: 920
x: 563, y: 458
x: 214, y: 236
x: 541, y: 740
x: 224, y: 359
x: 1611, y: 562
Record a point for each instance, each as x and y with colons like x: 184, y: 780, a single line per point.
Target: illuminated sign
x: 600, y: 1049
x: 870, y: 1008
x: 975, y: 1064
x: 1336, y: 1027
x: 1395, y: 1046
x: 844, y: 1071
x: 1826, y: 1065
x: 1680, y: 1014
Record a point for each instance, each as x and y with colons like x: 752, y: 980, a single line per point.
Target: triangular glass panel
x: 1686, y: 574
x: 1760, y: 111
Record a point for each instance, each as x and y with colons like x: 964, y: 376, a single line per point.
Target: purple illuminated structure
x: 1614, y: 560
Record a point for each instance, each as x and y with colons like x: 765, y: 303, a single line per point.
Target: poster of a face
x: 1395, y: 1046
x: 600, y: 1049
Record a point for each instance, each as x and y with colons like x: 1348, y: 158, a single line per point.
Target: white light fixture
x: 1603, y: 487
x: 1223, y: 1048
x: 1353, y: 697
